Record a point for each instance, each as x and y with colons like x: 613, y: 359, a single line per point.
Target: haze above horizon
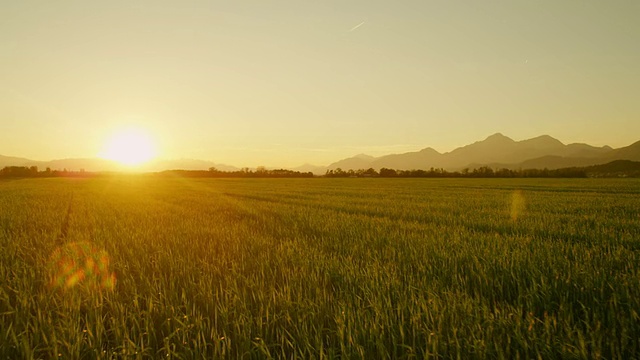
x: 285, y: 83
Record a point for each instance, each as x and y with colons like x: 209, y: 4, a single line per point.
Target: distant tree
x: 370, y: 172
x: 384, y: 172
x: 16, y: 171
x: 339, y: 173
x: 483, y: 171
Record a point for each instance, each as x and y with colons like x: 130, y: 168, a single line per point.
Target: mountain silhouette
x: 410, y: 160
x: 496, y: 151
x: 103, y: 165
x: 17, y: 161
x: 360, y: 161
x: 306, y: 168
x: 185, y: 164
x: 631, y: 152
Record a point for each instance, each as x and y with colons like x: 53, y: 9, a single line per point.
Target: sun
x: 129, y: 147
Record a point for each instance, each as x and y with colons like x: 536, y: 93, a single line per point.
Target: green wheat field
x: 148, y: 267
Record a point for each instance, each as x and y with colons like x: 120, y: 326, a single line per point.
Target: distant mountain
x: 73, y: 164
x: 361, y: 161
x: 631, y: 152
x: 17, y: 161
x: 578, y: 155
x: 616, y: 168
x: 88, y: 164
x: 586, y: 151
x: 316, y: 170
x: 551, y: 162
x: 97, y: 164
x: 496, y: 150
x: 407, y: 161
x: 186, y: 164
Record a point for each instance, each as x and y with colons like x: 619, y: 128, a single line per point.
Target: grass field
x: 136, y: 267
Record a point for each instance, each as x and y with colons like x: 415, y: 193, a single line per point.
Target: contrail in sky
x: 357, y: 26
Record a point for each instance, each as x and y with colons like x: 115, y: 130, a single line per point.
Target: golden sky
x: 281, y: 83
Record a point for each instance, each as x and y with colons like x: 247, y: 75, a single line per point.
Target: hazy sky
x: 280, y: 83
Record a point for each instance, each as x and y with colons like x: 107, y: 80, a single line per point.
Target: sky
x: 282, y: 83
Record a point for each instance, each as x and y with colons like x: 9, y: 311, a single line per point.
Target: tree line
x: 481, y: 172
x: 260, y: 172
x: 619, y: 168
x: 32, y: 172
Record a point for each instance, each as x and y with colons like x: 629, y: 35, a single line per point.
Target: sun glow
x: 129, y: 147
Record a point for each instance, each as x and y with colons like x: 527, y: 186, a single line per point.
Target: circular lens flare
x: 80, y: 263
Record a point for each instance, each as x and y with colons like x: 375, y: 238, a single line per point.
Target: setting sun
x: 129, y: 147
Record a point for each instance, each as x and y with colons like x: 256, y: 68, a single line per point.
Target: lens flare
x: 80, y: 263
x: 517, y: 205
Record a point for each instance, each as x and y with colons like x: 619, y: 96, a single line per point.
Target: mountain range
x: 97, y: 164
x: 496, y: 151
